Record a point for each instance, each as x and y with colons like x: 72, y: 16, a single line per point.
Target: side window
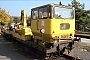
x: 43, y: 13
x: 34, y: 14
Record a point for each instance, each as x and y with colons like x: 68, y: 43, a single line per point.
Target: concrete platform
x: 6, y: 53
x: 81, y: 51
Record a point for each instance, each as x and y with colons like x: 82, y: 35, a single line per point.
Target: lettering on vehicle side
x: 42, y: 22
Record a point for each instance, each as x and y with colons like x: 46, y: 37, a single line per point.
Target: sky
x: 15, y: 6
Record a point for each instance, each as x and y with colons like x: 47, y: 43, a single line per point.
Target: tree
x: 29, y: 21
x: 16, y: 19
x: 4, y: 16
x: 87, y: 21
x: 79, y: 9
x: 80, y: 13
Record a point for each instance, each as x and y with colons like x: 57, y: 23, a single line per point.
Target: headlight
x: 42, y: 30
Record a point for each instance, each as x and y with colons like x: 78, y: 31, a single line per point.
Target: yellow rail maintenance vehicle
x: 54, y: 26
x: 51, y: 32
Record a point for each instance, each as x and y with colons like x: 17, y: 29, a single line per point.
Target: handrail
x: 82, y: 36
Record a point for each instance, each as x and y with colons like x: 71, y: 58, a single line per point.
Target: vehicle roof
x: 52, y: 4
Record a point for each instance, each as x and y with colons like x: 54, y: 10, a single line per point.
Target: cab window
x: 34, y: 14
x: 64, y: 13
x: 43, y: 13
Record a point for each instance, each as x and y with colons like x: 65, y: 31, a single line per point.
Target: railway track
x: 25, y: 50
x: 65, y: 57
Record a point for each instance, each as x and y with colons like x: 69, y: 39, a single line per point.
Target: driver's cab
x: 52, y: 18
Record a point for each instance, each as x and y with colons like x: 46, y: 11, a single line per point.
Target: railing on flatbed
x: 82, y: 36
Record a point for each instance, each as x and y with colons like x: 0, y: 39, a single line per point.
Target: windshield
x: 64, y: 13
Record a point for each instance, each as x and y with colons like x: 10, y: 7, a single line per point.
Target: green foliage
x: 79, y: 9
x: 16, y: 19
x: 77, y: 5
x: 29, y: 21
x: 82, y: 16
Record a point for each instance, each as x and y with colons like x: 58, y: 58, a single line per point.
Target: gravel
x: 81, y: 50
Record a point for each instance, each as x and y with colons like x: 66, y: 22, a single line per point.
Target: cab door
x: 43, y: 15
x: 40, y: 20
x: 34, y: 21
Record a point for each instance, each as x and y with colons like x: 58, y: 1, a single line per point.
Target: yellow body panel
x: 38, y: 25
x: 26, y: 31
x: 55, y: 27
x: 21, y: 36
x: 23, y: 15
x: 50, y: 26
